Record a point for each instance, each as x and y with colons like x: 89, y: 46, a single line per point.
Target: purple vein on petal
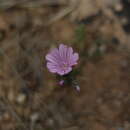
x: 51, y: 58
x: 70, y: 53
x: 63, y: 51
x: 51, y: 67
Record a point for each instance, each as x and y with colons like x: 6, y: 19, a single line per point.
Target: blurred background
x: 30, y: 97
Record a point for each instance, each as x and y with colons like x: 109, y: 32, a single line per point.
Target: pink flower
x: 61, y: 60
x: 61, y: 82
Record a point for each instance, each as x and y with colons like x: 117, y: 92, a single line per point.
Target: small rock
x: 124, y: 63
x: 127, y: 125
x: 118, y: 7
x: 103, y: 48
x: 6, y: 117
x: 21, y: 98
x: 92, y: 50
x: 50, y: 122
x: 11, y: 96
x: 99, y: 101
x: 120, y: 128
x: 34, y: 117
x: 124, y: 21
x: 117, y: 104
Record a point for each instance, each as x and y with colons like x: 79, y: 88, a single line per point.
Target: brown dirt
x: 30, y: 97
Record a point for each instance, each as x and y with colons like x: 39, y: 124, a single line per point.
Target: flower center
x: 64, y: 66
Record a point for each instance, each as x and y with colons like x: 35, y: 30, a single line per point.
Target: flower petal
x: 53, y: 56
x: 75, y: 56
x: 69, y: 54
x: 69, y: 69
x: 74, y: 59
x: 63, y: 51
x: 60, y: 72
x: 52, y: 68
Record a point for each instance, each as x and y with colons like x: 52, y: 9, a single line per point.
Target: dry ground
x: 31, y: 99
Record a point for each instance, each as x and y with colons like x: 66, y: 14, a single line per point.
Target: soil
x: 30, y: 96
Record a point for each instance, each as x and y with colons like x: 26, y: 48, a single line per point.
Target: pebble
x: 103, y: 48
x: 11, y: 96
x: 6, y: 117
x: 50, y: 122
x: 118, y: 7
x: 120, y: 128
x: 117, y: 104
x: 92, y: 50
x: 21, y: 98
x: 99, y: 101
x: 34, y: 117
x: 124, y: 63
x: 124, y: 21
x: 127, y: 125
